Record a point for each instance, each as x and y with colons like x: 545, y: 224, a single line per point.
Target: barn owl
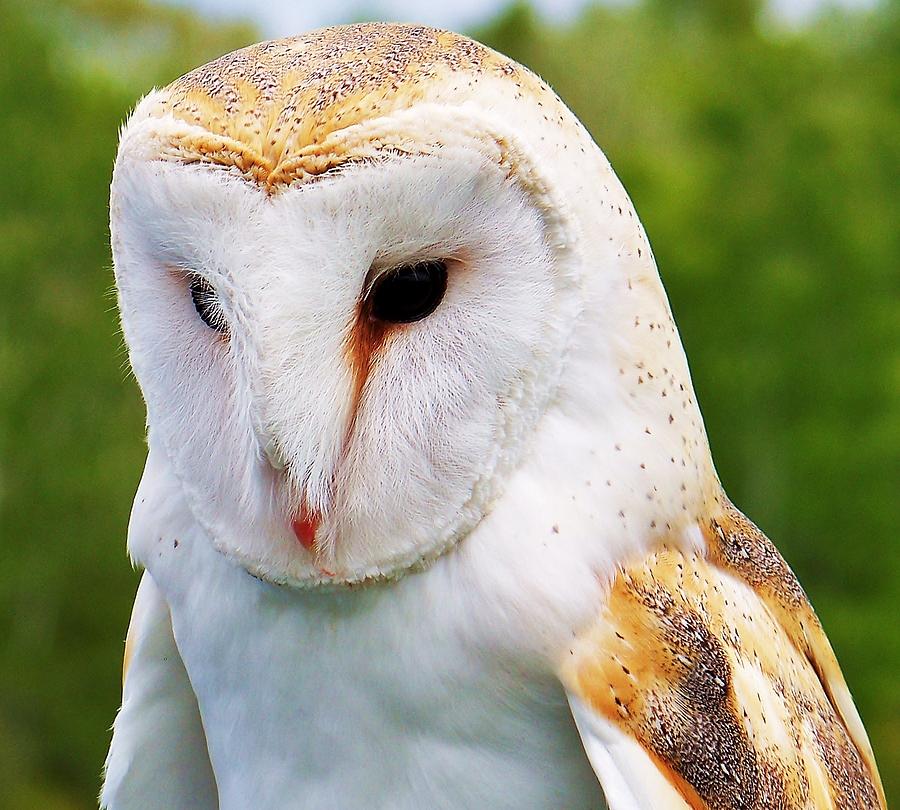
x: 429, y: 518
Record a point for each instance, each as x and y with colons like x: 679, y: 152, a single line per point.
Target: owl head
x: 373, y: 279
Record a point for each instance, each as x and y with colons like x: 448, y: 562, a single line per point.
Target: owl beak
x: 305, y: 526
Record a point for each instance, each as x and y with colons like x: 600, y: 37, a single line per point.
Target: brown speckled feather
x: 268, y: 110
x: 717, y: 665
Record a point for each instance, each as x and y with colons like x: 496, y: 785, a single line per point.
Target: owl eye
x: 409, y: 293
x: 207, y: 304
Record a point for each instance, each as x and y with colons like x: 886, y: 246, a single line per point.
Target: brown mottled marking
x: 698, y: 658
x: 269, y: 110
x: 737, y: 545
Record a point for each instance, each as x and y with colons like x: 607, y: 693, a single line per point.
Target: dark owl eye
x: 207, y: 304
x: 409, y: 293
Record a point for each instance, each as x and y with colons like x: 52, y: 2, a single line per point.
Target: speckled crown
x: 269, y: 109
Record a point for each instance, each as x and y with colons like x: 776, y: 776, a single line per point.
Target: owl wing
x: 158, y: 757
x: 708, y: 682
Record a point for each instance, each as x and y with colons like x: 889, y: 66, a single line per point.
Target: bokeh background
x: 762, y: 150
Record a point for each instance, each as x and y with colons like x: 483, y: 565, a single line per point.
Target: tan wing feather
x: 131, y: 637
x: 718, y: 666
x: 736, y: 544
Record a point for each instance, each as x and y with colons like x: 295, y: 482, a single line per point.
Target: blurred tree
x: 731, y: 16
x: 764, y: 164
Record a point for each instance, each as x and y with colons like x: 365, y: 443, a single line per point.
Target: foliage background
x: 764, y: 163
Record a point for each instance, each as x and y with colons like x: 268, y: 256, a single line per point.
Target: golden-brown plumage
x: 717, y: 665
x: 269, y: 110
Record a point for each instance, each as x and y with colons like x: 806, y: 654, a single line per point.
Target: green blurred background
x: 764, y: 162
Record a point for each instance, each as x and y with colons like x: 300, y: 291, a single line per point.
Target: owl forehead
x: 267, y: 109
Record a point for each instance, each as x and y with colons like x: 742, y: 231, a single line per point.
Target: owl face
x: 351, y: 309
x: 346, y: 364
